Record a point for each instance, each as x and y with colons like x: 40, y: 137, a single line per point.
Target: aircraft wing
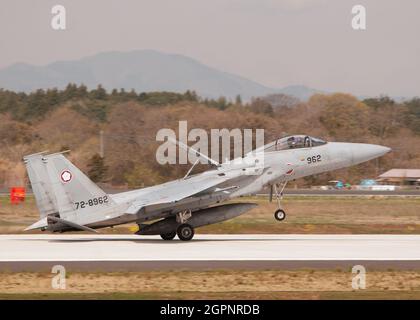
x: 175, y: 191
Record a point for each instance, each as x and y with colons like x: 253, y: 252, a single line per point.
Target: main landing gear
x: 168, y: 236
x: 279, y: 214
x: 184, y: 230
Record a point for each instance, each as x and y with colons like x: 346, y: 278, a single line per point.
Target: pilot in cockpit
x: 294, y: 142
x: 291, y: 142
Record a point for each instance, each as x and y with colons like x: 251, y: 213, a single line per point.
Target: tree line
x: 73, y: 117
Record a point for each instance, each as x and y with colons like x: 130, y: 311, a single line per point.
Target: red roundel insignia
x: 66, y: 176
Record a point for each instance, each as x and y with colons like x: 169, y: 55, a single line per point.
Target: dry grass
x: 328, y: 215
x: 293, y: 295
x: 216, y: 283
x: 304, y: 215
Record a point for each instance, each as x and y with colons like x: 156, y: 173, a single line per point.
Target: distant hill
x: 300, y: 92
x: 144, y: 71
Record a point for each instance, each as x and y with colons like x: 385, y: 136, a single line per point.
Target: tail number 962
x: 314, y: 159
x: 91, y: 202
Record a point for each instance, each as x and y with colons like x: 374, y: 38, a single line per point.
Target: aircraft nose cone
x: 364, y: 152
x: 381, y: 150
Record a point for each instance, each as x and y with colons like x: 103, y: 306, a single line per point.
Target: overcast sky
x: 274, y: 42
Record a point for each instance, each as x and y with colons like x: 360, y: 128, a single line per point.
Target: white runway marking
x: 208, y: 247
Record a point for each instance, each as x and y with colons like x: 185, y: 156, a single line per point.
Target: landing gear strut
x: 279, y: 214
x: 184, y: 231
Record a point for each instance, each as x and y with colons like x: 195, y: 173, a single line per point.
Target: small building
x: 401, y: 177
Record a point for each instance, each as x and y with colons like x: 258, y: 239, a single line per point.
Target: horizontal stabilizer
x: 38, y: 225
x: 72, y: 224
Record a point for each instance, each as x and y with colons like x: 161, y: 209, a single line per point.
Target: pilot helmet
x: 291, y: 141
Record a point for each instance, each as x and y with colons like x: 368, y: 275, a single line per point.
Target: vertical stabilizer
x: 74, y: 191
x: 41, y: 185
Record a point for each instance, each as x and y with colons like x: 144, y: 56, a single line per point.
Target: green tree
x: 99, y: 93
x: 82, y: 91
x: 142, y: 176
x: 413, y: 114
x: 191, y: 96
x: 70, y: 92
x: 222, y: 103
x: 97, y: 168
x: 377, y: 103
x: 259, y: 105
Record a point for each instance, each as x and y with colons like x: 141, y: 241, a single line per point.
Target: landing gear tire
x: 185, y: 232
x: 280, y: 215
x: 168, y: 236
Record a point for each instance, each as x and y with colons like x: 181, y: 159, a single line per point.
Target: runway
x: 413, y: 193
x: 351, y: 193
x: 18, y: 252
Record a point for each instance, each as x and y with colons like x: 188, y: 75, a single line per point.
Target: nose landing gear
x: 279, y: 214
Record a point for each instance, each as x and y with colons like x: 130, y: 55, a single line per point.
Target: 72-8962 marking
x: 91, y: 202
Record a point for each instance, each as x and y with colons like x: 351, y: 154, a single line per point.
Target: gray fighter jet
x: 68, y: 200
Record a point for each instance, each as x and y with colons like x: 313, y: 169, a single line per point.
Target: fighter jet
x: 69, y: 201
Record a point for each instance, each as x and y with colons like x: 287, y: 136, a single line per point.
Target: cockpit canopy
x: 293, y: 142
